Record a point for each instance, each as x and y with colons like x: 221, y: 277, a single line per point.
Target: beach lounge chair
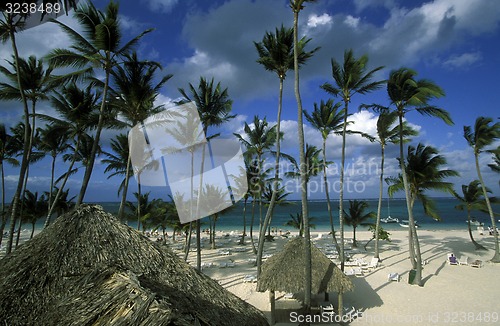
x: 329, y: 310
x: 463, y: 260
x: 349, y: 272
x: 250, y: 278
x: 393, y: 277
x: 358, y: 271
x: 373, y: 263
x: 452, y: 259
x: 475, y: 263
x: 288, y: 296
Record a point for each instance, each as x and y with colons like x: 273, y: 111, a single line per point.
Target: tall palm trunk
x: 252, y: 220
x: 341, y: 203
x: 415, y: 255
x: 24, y: 161
x: 303, y: 176
x: 52, y: 175
x: 379, y: 208
x: 242, y: 241
x: 328, y: 203
x: 139, y: 201
x: 496, y: 256
x: 61, y: 188
x: 100, y: 125
x: 3, y: 212
x: 121, y: 210
x: 187, y: 245
x: 476, y: 245
x: 272, y: 203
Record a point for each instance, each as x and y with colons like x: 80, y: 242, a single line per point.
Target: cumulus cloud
x: 463, y: 60
x: 322, y: 20
x: 164, y: 6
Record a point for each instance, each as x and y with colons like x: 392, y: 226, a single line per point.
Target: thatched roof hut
x: 89, y: 269
x: 285, y: 271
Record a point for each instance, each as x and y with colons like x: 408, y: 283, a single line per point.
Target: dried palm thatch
x: 89, y: 269
x: 285, y: 271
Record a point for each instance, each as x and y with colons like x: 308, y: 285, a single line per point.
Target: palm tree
x: 280, y: 200
x: 258, y: 142
x: 327, y: 119
x: 98, y: 46
x: 387, y: 133
x: 297, y: 6
x: 147, y: 207
x: 423, y: 168
x: 350, y: 78
x: 7, y: 155
x: 77, y: 109
x: 34, y: 84
x: 483, y: 135
x: 276, y: 54
x: 134, y: 94
x: 119, y: 163
x: 296, y: 221
x: 472, y: 199
x: 313, y: 165
x: 356, y: 216
x: 214, y: 107
x: 495, y: 166
x: 33, y: 209
x: 53, y: 140
x: 407, y: 94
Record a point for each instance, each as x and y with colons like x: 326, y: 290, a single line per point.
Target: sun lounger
x: 358, y: 271
x: 464, y: 260
x: 475, y: 263
x: 250, y: 278
x: 231, y: 264
x: 393, y: 277
x: 288, y: 296
x: 373, y: 263
x: 329, y: 310
x: 349, y: 272
x: 452, y: 260
x: 224, y: 252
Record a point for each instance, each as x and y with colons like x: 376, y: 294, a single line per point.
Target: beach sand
x: 452, y: 294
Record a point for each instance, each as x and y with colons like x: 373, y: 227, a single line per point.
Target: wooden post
x: 272, y: 299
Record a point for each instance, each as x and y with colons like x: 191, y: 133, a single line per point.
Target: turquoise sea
x: 451, y: 218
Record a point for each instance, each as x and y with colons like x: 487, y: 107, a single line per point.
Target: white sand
x: 451, y: 294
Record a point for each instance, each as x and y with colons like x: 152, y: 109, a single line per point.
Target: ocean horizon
x: 451, y: 218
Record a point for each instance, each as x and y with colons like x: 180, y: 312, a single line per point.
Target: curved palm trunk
x: 213, y: 231
x: 139, y: 200
x: 379, y: 208
x: 252, y: 220
x: 496, y: 256
x: 24, y: 161
x: 52, y: 175
x: 61, y: 188
x: 328, y: 204
x: 272, y: 203
x: 95, y: 145
x: 477, y: 246
x: 121, y: 210
x: 415, y: 255
x: 303, y: 176
x: 187, y: 245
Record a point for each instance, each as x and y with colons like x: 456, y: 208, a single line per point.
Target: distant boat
x: 406, y: 224
x: 474, y: 222
x: 390, y: 219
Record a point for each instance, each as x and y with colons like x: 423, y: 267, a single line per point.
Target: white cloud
x: 315, y: 20
x: 351, y: 21
x: 164, y: 6
x: 463, y: 60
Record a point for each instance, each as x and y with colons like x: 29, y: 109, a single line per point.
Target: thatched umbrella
x: 89, y: 269
x: 285, y: 271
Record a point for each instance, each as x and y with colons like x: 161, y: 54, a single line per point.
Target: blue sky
x: 454, y: 43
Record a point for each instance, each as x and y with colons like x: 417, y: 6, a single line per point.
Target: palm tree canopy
x: 356, y: 214
x: 99, y: 45
x: 408, y: 93
x: 388, y: 129
x: 134, y: 90
x: 484, y: 134
x: 327, y: 117
x: 213, y: 102
x: 260, y: 138
x: 36, y: 81
x: 276, y: 51
x: 352, y: 77
x: 424, y: 170
x: 313, y: 163
x: 472, y: 197
x: 8, y: 147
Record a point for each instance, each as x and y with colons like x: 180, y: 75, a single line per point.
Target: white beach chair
x: 373, y: 263
x: 358, y: 271
x: 250, y: 278
x: 452, y: 259
x: 393, y: 277
x: 288, y: 296
x: 349, y: 272
x: 475, y: 263
x: 463, y: 260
